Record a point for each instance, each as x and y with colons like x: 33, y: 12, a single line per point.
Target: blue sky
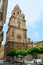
x: 33, y: 10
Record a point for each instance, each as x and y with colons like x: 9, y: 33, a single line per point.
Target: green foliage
x: 21, y: 52
x: 33, y: 50
x: 11, y: 53
x: 41, y: 49
x: 16, y: 53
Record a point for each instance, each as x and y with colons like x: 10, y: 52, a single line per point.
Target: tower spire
x: 16, y: 9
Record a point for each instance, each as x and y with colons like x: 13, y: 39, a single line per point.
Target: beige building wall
x: 2, y: 52
x: 39, y: 43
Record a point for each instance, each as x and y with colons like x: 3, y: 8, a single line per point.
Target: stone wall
x: 1, y: 52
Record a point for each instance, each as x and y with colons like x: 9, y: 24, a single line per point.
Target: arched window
x: 14, y: 13
x: 23, y: 17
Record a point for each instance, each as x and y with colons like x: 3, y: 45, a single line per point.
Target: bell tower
x: 17, y: 32
x: 18, y: 22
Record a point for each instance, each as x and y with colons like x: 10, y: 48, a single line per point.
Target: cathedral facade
x: 17, y: 32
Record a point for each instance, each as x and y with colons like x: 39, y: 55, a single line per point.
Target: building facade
x: 3, y: 11
x: 17, y: 32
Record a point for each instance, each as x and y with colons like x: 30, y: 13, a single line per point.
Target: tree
x: 18, y: 53
x: 34, y: 51
x: 21, y: 53
x: 11, y: 54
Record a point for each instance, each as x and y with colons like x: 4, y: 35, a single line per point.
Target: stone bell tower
x: 17, y: 32
x: 3, y: 10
